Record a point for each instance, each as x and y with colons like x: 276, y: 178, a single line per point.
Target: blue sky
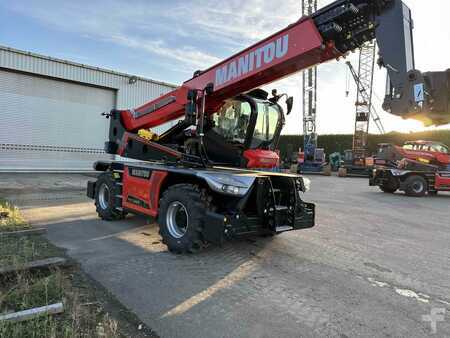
x: 168, y: 40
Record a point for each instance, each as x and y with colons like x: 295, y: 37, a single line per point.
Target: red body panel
x: 160, y: 116
x: 144, y: 190
x: 295, y: 48
x: 430, y: 156
x: 261, y: 159
x: 442, y: 183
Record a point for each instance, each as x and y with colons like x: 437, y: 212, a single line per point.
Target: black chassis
x: 381, y: 176
x: 270, y: 202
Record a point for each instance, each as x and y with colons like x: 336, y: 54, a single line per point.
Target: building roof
x: 84, y: 66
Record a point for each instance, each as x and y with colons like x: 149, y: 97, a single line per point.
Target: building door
x: 50, y: 124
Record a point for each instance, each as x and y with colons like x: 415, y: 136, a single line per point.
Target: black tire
x: 416, y: 186
x: 105, y: 192
x: 391, y: 186
x: 181, y: 212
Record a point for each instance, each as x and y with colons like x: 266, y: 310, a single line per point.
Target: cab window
x: 232, y: 120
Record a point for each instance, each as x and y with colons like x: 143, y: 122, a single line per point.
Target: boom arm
x: 329, y: 33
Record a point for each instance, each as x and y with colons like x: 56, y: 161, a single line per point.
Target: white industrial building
x: 50, y: 110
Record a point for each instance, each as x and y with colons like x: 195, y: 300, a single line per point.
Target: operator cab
x: 246, y: 128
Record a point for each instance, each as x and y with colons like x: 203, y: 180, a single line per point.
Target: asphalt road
x: 375, y: 265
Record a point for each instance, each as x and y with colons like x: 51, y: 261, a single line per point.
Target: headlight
x: 229, y: 183
x: 307, y: 184
x: 230, y: 189
x: 304, y: 184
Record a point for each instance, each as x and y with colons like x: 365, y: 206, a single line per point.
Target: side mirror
x: 289, y: 104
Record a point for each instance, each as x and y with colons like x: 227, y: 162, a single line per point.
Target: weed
x: 13, y: 220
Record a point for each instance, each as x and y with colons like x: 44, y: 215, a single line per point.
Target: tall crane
x: 309, y: 97
x: 355, y: 159
x: 364, y: 107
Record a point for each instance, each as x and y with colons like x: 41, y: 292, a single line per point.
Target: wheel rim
x: 177, y: 219
x: 103, y: 196
x: 417, y: 187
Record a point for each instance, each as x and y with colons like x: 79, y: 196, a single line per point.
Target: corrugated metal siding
x: 29, y: 93
x: 52, y: 124
x: 128, y: 95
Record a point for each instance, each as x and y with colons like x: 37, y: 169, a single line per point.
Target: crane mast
x: 355, y: 160
x: 364, y: 107
x: 309, y: 96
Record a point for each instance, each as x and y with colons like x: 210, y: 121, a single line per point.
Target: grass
x: 28, y: 292
x: 15, y: 251
x: 83, y: 315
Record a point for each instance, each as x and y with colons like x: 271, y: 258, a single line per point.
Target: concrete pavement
x: 374, y: 266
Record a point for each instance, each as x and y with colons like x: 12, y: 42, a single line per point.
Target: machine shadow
x: 128, y: 257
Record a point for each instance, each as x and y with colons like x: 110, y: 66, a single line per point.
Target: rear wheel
x: 180, y: 219
x: 105, y: 192
x: 416, y: 186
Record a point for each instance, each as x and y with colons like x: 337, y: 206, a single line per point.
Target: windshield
x: 439, y: 148
x: 266, y: 123
x: 232, y: 120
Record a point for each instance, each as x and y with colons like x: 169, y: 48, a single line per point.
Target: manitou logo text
x: 253, y: 60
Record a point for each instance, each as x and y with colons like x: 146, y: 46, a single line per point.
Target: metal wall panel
x: 51, y: 124
x: 50, y: 109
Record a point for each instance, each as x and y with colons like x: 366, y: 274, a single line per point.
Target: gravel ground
x: 375, y: 265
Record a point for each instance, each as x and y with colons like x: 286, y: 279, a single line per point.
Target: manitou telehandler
x: 417, y: 168
x: 197, y: 179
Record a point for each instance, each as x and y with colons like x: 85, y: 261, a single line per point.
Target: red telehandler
x: 417, y: 168
x: 198, y: 180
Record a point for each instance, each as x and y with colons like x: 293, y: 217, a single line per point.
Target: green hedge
x: 340, y: 143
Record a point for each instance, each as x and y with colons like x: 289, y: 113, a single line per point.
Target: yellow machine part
x: 148, y: 135
x: 423, y: 160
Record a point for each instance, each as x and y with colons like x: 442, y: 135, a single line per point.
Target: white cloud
x: 195, y: 34
x: 122, y: 25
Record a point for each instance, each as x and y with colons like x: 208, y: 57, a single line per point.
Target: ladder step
x: 283, y: 228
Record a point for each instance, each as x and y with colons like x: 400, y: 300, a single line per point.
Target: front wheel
x: 180, y: 219
x: 416, y: 186
x: 391, y: 186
